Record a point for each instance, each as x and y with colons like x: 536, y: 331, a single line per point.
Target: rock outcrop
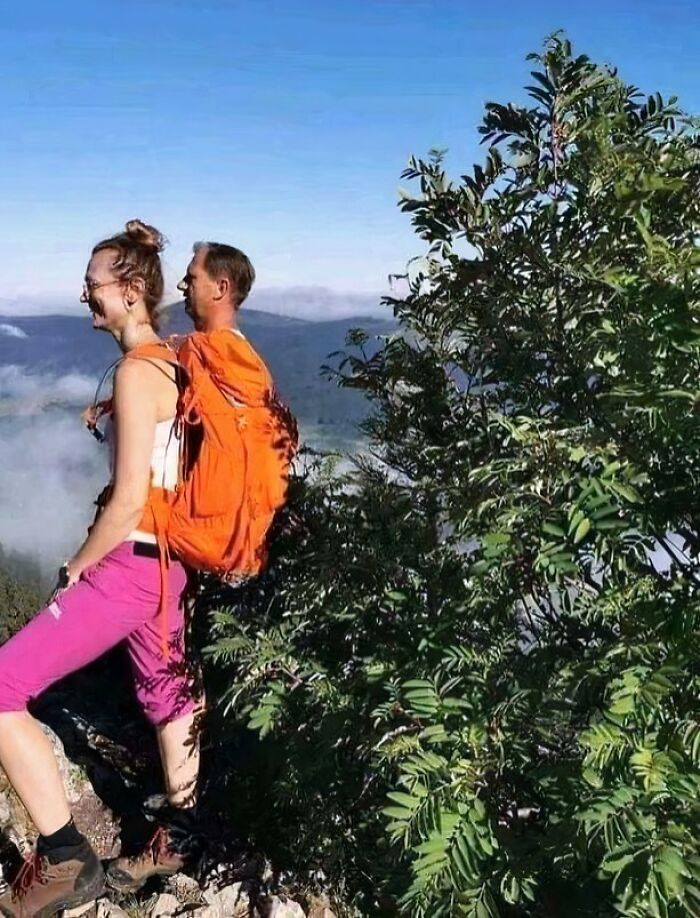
x: 92, y: 817
x: 180, y: 896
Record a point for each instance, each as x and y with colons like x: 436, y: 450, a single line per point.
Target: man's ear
x: 223, y: 288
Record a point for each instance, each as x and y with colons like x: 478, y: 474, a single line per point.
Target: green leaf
x: 671, y: 858
x: 398, y: 813
x: 616, y: 861
x: 551, y: 529
x: 582, y: 530
x: 405, y: 800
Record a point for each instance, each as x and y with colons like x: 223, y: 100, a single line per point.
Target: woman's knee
x: 10, y: 708
x: 162, y: 704
x: 14, y: 695
x: 19, y: 681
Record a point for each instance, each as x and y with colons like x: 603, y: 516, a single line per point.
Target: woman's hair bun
x: 145, y: 235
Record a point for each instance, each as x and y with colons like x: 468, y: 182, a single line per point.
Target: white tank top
x: 165, y: 463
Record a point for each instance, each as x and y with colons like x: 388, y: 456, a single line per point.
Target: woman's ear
x: 135, y: 290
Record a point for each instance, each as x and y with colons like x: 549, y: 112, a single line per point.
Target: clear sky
x: 280, y: 126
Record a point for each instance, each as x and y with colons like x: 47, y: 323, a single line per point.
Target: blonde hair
x: 138, y: 250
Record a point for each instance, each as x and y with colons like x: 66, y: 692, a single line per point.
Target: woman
x: 108, y: 591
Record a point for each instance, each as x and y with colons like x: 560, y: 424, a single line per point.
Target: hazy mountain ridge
x: 294, y: 349
x: 49, y: 368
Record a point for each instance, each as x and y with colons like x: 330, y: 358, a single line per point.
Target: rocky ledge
x: 224, y: 890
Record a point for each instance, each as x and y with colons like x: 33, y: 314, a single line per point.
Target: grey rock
x: 107, y: 909
x: 227, y: 902
x: 166, y: 906
x: 278, y: 907
x: 187, y: 891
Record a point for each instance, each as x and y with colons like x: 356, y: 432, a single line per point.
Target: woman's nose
x: 83, y: 296
x: 182, y: 286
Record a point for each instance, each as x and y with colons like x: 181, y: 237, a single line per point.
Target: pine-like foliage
x: 476, y: 666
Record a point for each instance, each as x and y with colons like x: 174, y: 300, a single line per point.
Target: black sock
x: 179, y: 816
x: 66, y: 837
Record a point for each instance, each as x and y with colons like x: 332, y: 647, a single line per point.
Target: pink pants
x: 116, y: 599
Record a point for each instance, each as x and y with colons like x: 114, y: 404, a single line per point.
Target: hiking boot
x: 43, y: 888
x: 162, y: 857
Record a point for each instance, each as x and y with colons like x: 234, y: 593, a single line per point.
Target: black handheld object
x: 63, y: 576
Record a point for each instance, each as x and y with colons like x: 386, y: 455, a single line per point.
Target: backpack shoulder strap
x: 158, y: 351
x: 111, y: 369
x: 233, y: 366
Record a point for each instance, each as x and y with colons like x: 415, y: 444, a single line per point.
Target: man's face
x: 199, y: 290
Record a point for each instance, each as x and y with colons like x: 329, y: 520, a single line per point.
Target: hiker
x: 248, y: 436
x: 115, y: 587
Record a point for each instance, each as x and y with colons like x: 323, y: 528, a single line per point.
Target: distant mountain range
x: 294, y: 349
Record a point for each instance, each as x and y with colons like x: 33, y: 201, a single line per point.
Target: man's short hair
x: 221, y: 260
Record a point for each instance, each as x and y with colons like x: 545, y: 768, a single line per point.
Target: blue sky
x: 280, y: 126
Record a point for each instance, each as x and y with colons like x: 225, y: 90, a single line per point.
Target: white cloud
x: 11, y: 331
x: 24, y: 392
x: 52, y: 470
x: 317, y: 304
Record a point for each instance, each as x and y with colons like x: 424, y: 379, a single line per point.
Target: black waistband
x: 145, y: 550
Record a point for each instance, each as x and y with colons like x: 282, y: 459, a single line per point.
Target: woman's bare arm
x: 134, y: 417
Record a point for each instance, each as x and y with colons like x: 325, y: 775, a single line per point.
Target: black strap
x: 101, y: 383
x: 179, y: 381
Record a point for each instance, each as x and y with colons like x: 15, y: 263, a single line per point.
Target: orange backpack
x: 238, y: 444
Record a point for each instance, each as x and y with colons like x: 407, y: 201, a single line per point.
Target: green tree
x: 20, y: 596
x: 474, y: 667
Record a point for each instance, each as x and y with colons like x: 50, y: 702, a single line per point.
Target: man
x: 218, y: 280
x: 218, y: 361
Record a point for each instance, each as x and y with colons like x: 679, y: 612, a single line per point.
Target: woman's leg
x: 79, y: 626
x: 178, y: 741
x: 164, y: 687
x: 27, y: 756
